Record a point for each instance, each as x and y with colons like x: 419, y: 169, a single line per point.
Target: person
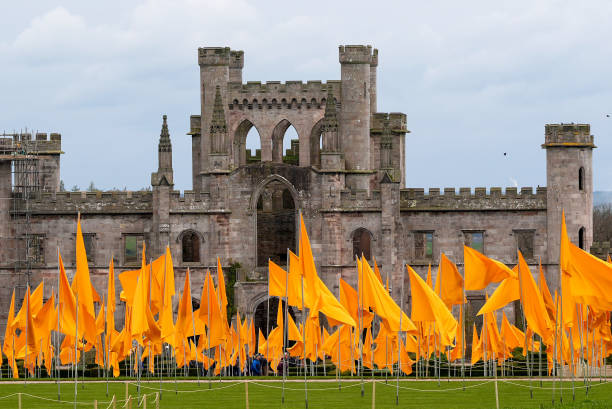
x: 256, y: 366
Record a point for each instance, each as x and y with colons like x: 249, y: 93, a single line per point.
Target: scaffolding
x: 22, y: 152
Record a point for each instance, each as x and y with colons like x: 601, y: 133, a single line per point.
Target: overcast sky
x: 476, y: 79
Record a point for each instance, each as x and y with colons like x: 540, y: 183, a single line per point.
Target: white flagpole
x: 58, y: 328
x: 76, y: 341
x: 399, y: 338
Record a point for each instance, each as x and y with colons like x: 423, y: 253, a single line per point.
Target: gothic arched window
x: 582, y: 238
x: 362, y: 239
x: 581, y: 178
x: 190, y: 245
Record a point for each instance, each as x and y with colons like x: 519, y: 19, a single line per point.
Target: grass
x: 267, y: 395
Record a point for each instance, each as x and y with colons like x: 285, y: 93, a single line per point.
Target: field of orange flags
x: 361, y: 326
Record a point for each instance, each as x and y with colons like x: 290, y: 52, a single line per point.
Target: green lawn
x: 267, y: 395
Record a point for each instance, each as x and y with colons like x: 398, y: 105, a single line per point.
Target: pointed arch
x: 280, y: 142
x: 362, y: 242
x: 315, y: 144
x: 245, y: 130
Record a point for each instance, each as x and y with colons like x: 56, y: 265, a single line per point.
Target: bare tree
x: 602, y: 222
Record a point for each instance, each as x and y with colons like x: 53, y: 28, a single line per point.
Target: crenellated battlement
x: 42, y: 143
x: 357, y: 54
x: 236, y: 59
x: 360, y: 200
x: 477, y: 199
x: 277, y: 95
x: 214, y: 56
x: 568, y: 135
x: 93, y: 202
x: 395, y: 121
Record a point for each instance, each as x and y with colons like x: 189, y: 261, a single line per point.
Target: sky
x: 476, y: 79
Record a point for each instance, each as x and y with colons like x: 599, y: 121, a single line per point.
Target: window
x: 581, y: 178
x: 423, y: 245
x: 36, y: 249
x: 525, y: 243
x: 475, y: 240
x: 582, y: 238
x: 190, y: 245
x: 133, y: 248
x: 361, y: 243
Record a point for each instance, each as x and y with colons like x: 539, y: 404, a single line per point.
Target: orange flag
x: 184, y: 324
x: 166, y: 320
x: 277, y: 280
x: 533, y: 304
x: 476, y: 346
x: 428, y: 307
x: 457, y: 352
x: 350, y: 300
x: 452, y: 282
x: 480, y: 270
x: 548, y: 301
x: 506, y: 292
x: 7, y: 345
x: 209, y: 304
x: 67, y: 303
x: 377, y: 298
x: 82, y: 288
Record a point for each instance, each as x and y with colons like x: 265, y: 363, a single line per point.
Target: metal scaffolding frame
x: 22, y: 151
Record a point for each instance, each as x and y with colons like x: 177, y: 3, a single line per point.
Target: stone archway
x: 275, y: 204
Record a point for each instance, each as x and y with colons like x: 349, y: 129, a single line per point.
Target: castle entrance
x: 276, y: 223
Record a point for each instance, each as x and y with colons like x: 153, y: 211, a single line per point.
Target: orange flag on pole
x: 82, y: 288
x: 67, y: 302
x: 480, y: 270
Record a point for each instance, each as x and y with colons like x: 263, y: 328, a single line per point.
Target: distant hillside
x: 600, y: 197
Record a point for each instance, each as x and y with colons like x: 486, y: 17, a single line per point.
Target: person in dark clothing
x: 256, y: 366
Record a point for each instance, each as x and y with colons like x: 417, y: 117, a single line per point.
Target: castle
x: 345, y: 174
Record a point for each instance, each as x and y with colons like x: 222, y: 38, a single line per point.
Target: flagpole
x: 194, y: 335
x: 399, y: 338
x: 554, y: 368
x: 304, y: 342
x: 208, y: 331
x: 163, y: 305
x: 57, y: 345
x: 76, y: 341
x: 360, y: 302
x: 284, y: 334
x: 463, y: 321
x: 268, y: 326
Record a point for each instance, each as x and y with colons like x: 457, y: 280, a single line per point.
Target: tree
x: 75, y: 188
x: 92, y: 187
x: 62, y: 188
x: 602, y: 222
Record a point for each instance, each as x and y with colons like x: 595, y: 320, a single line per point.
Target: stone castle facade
x: 345, y: 174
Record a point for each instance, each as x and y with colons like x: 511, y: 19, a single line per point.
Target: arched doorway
x: 276, y: 223
x: 265, y: 320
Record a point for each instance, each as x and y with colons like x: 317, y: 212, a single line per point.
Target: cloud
x: 475, y: 78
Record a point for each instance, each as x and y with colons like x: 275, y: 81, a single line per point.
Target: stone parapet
x: 92, y: 202
x: 415, y: 199
x: 277, y: 95
x: 568, y: 135
x: 396, y: 121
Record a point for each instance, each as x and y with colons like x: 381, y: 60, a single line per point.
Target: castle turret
x: 236, y: 65
x: 569, y: 178
x: 354, y: 128
x: 214, y: 65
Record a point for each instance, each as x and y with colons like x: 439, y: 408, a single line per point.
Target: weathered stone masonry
x: 345, y: 174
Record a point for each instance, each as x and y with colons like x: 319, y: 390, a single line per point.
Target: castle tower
x: 355, y: 74
x: 162, y: 182
x: 569, y: 179
x: 214, y: 65
x: 236, y: 65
